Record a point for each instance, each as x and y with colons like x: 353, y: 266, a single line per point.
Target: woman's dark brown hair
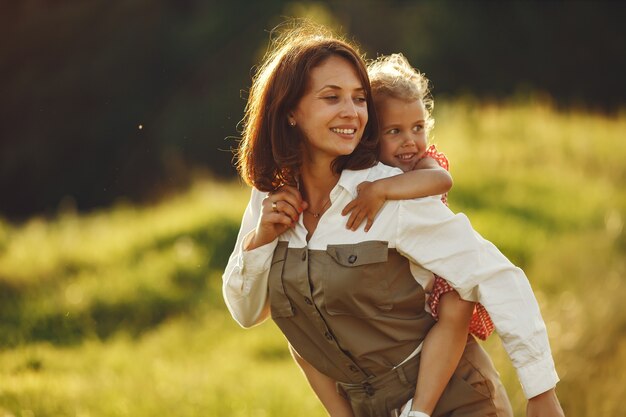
x: 270, y: 152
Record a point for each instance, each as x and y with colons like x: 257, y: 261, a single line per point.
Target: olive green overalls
x: 354, y: 312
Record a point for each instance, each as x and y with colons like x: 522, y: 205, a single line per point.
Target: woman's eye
x: 360, y: 99
x: 331, y: 98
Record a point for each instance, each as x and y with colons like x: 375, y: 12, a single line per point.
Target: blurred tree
x: 101, y: 100
x: 572, y: 50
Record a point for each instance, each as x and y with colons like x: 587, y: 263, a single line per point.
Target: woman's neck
x: 316, y: 183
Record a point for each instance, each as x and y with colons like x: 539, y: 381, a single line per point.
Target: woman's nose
x: 349, y: 109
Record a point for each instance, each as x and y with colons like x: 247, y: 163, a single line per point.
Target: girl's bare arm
x: 427, y: 178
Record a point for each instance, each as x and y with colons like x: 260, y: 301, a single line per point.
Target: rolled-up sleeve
x: 445, y: 243
x: 244, y: 283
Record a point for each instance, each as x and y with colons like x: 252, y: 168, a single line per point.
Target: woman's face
x: 332, y: 113
x: 402, y: 132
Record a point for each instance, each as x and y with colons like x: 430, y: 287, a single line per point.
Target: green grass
x: 119, y: 312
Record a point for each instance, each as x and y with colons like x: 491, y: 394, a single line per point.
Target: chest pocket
x: 355, y: 282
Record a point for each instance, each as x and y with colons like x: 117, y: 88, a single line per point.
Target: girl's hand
x: 280, y: 211
x: 369, y: 200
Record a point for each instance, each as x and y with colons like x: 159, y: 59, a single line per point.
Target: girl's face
x: 403, y: 134
x: 332, y: 113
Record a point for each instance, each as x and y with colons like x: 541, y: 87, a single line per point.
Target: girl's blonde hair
x: 393, y: 76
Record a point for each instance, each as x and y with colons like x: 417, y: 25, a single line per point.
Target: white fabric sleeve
x: 244, y: 283
x: 445, y: 243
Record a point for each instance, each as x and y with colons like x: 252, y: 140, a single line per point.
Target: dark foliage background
x: 103, y: 100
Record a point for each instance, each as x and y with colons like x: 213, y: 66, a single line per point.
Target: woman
x: 352, y: 304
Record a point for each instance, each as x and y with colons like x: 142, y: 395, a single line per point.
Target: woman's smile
x: 347, y: 133
x: 332, y: 113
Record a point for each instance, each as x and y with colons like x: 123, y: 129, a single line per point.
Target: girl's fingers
x: 358, y: 220
x: 355, y: 219
x: 348, y: 208
x: 370, y: 222
x: 350, y: 220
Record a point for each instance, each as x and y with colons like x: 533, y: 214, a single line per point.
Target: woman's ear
x: 291, y: 120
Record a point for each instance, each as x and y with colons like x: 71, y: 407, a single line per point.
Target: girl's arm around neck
x: 426, y: 179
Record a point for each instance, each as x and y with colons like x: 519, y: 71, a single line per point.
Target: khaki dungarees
x: 354, y: 311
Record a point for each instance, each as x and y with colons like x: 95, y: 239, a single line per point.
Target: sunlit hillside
x: 118, y: 312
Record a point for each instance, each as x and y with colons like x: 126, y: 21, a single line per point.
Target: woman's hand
x: 280, y: 210
x: 366, y: 205
x: 544, y: 405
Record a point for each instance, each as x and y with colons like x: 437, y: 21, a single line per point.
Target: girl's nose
x: 407, y: 141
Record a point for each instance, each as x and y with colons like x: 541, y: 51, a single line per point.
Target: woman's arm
x: 442, y: 350
x: 427, y: 178
x: 324, y: 387
x: 244, y: 283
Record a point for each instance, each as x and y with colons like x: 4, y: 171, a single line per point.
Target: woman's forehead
x: 334, y: 72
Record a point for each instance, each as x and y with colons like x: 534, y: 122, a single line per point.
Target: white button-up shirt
x: 436, y: 241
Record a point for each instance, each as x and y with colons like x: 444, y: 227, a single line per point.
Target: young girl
x: 404, y: 107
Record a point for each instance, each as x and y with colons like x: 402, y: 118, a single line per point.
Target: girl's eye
x: 418, y: 128
x: 393, y: 131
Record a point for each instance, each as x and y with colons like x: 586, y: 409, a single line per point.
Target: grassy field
x: 119, y: 312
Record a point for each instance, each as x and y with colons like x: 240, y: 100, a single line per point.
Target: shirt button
x: 308, y: 300
x: 353, y: 368
x: 328, y: 336
x: 304, y: 256
x: 352, y: 259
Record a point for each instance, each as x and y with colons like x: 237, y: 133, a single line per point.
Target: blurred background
x: 119, y: 204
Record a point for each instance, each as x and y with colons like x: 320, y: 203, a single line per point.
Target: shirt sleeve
x: 445, y: 243
x: 244, y: 283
